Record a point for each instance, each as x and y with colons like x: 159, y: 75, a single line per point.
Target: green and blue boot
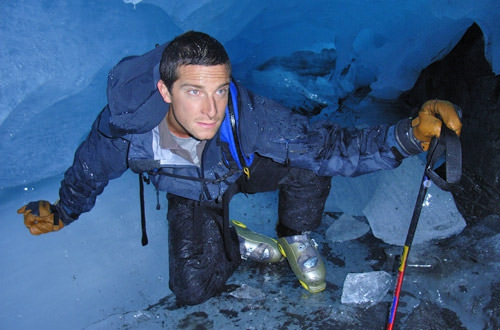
x: 255, y: 246
x: 304, y: 259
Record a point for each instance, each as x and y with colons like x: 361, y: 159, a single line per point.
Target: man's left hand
x: 431, y: 116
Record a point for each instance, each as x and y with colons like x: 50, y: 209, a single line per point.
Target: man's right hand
x: 41, y: 217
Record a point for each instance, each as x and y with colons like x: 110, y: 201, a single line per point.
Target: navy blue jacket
x: 123, y: 133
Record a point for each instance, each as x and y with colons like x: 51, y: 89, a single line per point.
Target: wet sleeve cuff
x: 401, y: 137
x: 66, y: 215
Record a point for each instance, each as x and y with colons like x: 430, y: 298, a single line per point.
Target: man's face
x: 197, y: 100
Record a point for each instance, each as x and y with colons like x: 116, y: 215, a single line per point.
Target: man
x: 175, y: 114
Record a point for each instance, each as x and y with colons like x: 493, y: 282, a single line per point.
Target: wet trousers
x: 198, y: 264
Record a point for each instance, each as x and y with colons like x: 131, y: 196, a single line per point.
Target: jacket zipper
x: 232, y: 118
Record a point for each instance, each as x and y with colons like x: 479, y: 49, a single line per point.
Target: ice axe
x: 448, y: 144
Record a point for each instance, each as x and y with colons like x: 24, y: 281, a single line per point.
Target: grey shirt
x: 188, y: 148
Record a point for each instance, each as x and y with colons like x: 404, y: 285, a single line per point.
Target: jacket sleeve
x: 330, y: 150
x: 326, y: 148
x: 98, y: 159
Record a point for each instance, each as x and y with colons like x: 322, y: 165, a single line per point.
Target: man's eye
x: 194, y: 92
x: 222, y: 91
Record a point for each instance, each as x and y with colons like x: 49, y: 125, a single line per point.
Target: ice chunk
x: 351, y: 195
x: 370, y: 287
x: 390, y: 209
x: 346, y: 228
x: 247, y: 292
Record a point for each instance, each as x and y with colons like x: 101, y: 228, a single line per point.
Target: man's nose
x: 210, y: 108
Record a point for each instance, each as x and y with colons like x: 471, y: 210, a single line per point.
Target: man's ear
x: 162, y: 88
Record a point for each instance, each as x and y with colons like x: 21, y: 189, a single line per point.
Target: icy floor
x: 449, y: 285
x: 95, y: 275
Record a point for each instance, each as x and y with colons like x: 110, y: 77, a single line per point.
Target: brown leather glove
x: 431, y: 116
x: 41, y: 217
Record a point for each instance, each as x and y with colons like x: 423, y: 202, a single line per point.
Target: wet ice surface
x: 96, y: 275
x: 103, y: 279
x: 452, y: 284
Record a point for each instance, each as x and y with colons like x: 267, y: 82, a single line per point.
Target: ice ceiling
x: 55, y: 56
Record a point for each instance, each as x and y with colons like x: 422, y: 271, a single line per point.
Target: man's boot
x: 305, y: 261
x: 255, y: 246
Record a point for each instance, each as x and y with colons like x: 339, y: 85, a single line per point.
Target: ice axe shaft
x: 449, y: 144
x: 406, y: 248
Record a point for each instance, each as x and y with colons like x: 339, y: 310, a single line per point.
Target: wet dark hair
x: 191, y: 48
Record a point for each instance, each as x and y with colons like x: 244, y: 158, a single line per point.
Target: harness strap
x: 144, y: 240
x: 217, y: 180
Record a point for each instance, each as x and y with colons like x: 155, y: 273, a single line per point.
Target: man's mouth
x: 207, y: 125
